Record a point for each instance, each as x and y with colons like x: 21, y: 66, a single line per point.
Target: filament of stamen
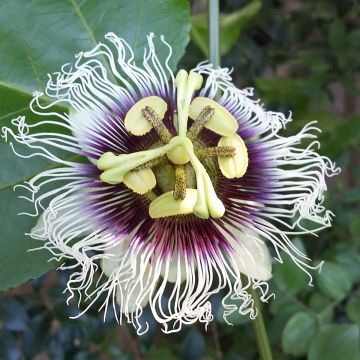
x: 216, y: 151
x: 153, y: 118
x: 205, y: 115
x: 180, y: 183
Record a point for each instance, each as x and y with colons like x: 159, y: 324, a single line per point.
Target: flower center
x: 176, y: 164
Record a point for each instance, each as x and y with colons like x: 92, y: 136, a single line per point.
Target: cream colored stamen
x: 236, y: 166
x: 154, y: 119
x: 205, y: 115
x: 165, y: 205
x: 141, y: 181
x: 218, y: 151
x: 222, y: 122
x: 135, y: 122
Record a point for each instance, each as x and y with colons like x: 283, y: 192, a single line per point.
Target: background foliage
x: 301, y: 56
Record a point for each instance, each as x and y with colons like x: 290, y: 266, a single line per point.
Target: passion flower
x: 181, y: 184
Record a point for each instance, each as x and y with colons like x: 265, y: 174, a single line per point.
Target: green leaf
x: 298, y: 333
x: 348, y: 257
x: 288, y: 276
x: 16, y: 263
x: 335, y: 342
x: 231, y: 25
x: 353, y: 309
x: 161, y: 354
x: 333, y: 280
x: 234, y: 318
x: 38, y: 37
x: 337, y: 34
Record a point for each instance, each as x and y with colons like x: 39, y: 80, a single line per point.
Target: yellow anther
x: 140, y: 181
x: 165, y: 205
x: 222, y: 122
x: 136, y: 123
x: 234, y: 167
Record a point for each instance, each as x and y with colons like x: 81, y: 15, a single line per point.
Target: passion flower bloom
x: 174, y: 187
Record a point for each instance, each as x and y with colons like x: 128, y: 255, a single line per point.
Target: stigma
x: 186, y: 187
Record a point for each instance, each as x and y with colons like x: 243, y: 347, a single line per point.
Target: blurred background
x: 300, y: 56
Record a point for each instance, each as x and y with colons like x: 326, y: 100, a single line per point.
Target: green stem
x: 214, y: 53
x: 214, y: 57
x: 260, y: 330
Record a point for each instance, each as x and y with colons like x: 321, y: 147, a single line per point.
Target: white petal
x: 115, y: 254
x: 250, y: 253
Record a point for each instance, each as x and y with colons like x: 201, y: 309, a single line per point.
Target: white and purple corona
x: 181, y: 185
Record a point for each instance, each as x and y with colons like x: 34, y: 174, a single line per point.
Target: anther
x: 180, y: 183
x: 153, y: 118
x: 216, y: 151
x: 205, y: 115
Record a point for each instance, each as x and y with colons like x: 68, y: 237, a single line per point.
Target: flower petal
x: 110, y: 263
x: 250, y: 253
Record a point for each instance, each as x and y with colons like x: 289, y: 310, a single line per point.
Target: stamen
x: 222, y: 122
x: 216, y: 151
x: 165, y: 205
x: 135, y: 122
x: 180, y: 183
x: 206, y: 113
x: 140, y: 181
x: 236, y: 166
x: 154, y: 119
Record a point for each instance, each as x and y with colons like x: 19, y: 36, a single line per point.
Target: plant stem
x: 214, y: 53
x: 214, y: 57
x: 260, y: 330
